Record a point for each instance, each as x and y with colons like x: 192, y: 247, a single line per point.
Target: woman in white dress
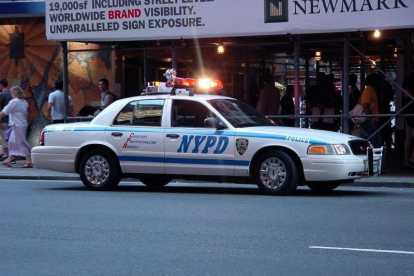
x: 18, y: 111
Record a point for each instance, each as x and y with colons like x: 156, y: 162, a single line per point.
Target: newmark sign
x: 119, y: 20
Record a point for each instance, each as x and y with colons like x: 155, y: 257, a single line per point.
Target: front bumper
x: 60, y: 159
x: 346, y: 167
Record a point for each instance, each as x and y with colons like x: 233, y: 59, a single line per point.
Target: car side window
x: 148, y: 113
x: 125, y: 116
x: 189, y: 114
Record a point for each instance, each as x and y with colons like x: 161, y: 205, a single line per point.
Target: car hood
x: 310, y: 136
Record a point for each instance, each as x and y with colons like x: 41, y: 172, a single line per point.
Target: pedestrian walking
x: 56, y: 104
x: 5, y: 98
x: 408, y: 85
x: 269, y: 98
x: 369, y: 101
x: 18, y: 110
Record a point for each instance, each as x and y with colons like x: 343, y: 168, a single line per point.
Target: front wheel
x: 98, y: 170
x: 276, y: 173
x: 323, y: 187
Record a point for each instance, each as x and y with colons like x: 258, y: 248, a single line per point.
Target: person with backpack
x: 107, y: 97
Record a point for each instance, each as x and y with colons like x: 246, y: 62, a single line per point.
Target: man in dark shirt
x: 5, y: 98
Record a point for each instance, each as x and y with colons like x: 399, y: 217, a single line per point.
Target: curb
x: 40, y: 177
x: 389, y: 184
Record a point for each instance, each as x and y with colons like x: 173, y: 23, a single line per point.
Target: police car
x: 174, y: 133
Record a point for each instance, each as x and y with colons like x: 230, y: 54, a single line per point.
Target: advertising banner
x: 122, y: 20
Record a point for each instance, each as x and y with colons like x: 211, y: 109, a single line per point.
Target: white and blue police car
x: 172, y: 134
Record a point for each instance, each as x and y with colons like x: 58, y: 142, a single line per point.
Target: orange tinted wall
x: 42, y: 64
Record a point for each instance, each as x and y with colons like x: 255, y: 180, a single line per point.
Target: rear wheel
x: 323, y: 187
x: 276, y: 173
x: 98, y: 170
x: 155, y: 181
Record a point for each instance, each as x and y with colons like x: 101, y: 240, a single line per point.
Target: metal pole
x: 363, y: 66
x: 174, y: 55
x: 307, y: 74
x: 400, y: 122
x: 345, y: 88
x: 145, y: 66
x: 232, y: 85
x: 297, y: 78
x: 113, y: 67
x: 65, y: 78
x: 331, y: 62
x: 381, y: 95
x: 247, y: 78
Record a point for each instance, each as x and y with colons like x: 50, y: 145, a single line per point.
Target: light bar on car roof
x: 178, y: 85
x: 198, y: 83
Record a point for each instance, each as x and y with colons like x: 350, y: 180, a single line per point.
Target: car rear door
x: 138, y: 134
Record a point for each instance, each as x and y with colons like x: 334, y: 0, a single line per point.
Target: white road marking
x: 363, y: 250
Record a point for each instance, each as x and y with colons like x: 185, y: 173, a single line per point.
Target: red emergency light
x: 198, y: 83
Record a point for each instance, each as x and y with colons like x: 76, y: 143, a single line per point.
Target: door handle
x: 117, y: 134
x: 173, y: 136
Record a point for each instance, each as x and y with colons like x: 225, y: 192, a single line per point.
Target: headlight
x: 336, y: 149
x: 342, y: 149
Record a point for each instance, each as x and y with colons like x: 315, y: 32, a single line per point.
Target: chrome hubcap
x: 273, y: 173
x: 97, y: 170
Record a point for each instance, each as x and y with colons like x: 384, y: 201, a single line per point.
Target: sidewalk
x: 397, y: 178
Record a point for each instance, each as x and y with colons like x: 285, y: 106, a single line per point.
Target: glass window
x: 189, y: 114
x: 239, y: 114
x: 148, y: 113
x: 125, y: 116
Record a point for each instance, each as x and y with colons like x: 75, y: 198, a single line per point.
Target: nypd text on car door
x: 193, y: 145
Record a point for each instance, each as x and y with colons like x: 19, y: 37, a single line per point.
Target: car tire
x: 155, y: 181
x: 99, y: 171
x: 276, y: 173
x: 323, y: 186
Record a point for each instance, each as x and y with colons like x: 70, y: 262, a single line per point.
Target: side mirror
x: 221, y: 126
x: 213, y: 122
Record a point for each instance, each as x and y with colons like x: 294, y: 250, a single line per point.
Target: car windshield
x: 239, y: 114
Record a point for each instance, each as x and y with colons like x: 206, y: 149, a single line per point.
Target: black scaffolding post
x: 65, y: 77
x: 297, y: 79
x: 345, y: 87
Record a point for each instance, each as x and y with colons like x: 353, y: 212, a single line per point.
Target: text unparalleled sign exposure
x: 118, y: 20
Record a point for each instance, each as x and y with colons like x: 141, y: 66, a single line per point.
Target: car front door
x: 191, y: 148
x: 138, y: 135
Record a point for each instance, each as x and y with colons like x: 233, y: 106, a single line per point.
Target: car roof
x: 107, y: 114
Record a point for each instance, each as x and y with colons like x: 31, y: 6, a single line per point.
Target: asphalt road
x: 59, y: 228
